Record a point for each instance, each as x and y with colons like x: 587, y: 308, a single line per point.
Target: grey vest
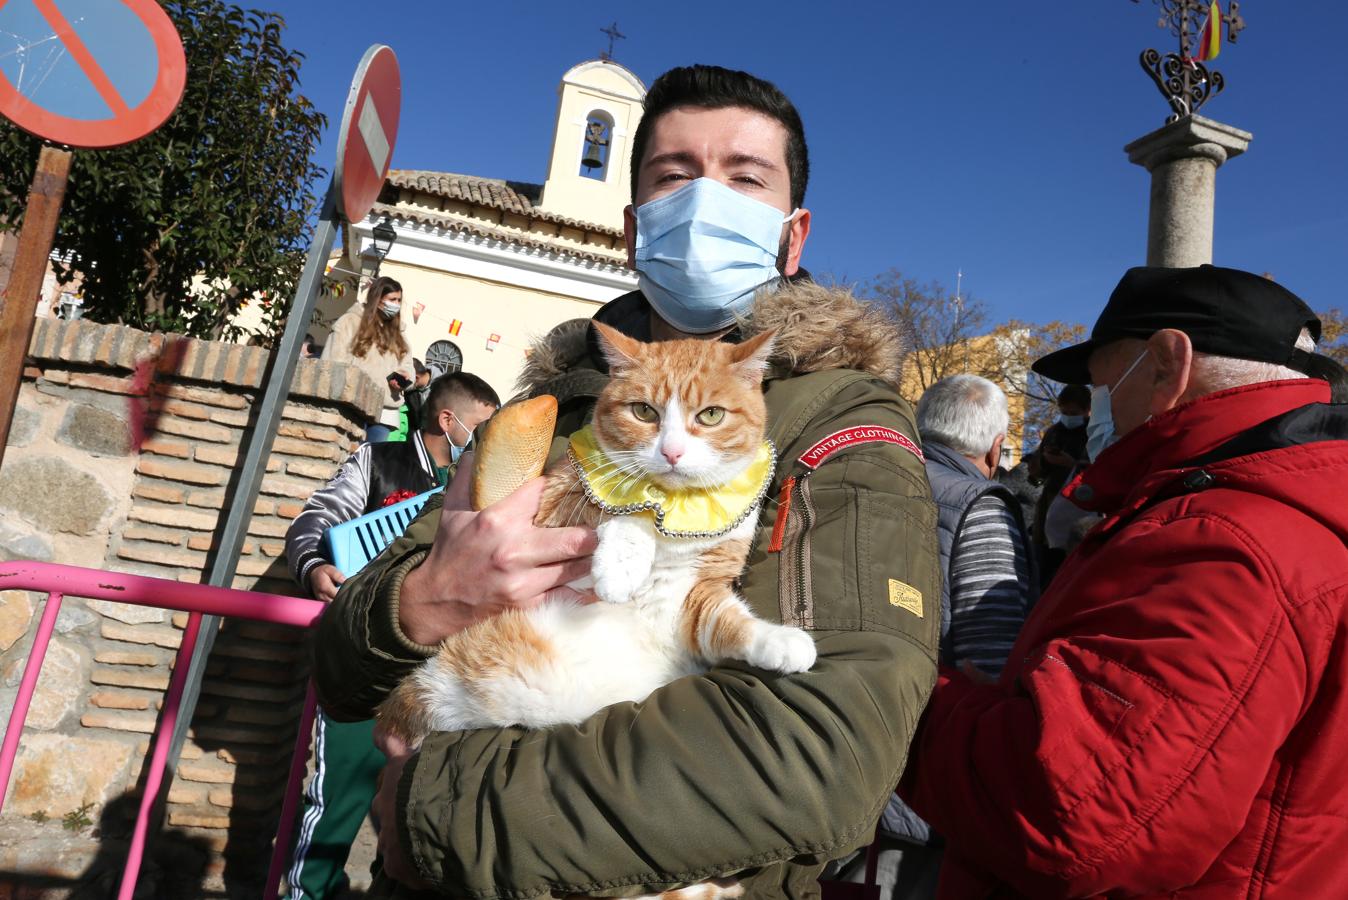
x: 955, y: 485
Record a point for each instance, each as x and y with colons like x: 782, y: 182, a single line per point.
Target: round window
x: 445, y: 356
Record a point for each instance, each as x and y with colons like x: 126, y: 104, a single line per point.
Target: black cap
x: 1225, y: 312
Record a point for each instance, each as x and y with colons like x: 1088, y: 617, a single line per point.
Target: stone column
x: 1183, y: 158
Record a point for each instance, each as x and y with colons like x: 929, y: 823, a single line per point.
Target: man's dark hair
x: 1077, y: 394
x: 446, y: 389
x: 712, y: 87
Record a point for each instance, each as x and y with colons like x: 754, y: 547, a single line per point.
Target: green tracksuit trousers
x: 346, y: 766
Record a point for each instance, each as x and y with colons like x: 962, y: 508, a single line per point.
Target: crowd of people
x: 1131, y: 686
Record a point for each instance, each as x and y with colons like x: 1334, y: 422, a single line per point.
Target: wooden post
x: 19, y: 307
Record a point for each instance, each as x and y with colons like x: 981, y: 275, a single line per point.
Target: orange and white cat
x: 672, y: 472
x: 678, y: 421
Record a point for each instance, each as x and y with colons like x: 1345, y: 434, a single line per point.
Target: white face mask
x: 389, y: 310
x: 1072, y: 421
x: 1100, y: 430
x: 455, y: 451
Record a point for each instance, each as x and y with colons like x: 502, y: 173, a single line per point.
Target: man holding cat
x: 735, y: 772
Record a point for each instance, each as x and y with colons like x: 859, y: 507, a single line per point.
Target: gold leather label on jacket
x: 905, y: 596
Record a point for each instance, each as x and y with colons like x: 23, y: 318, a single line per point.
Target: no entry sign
x: 369, y: 129
x: 89, y: 73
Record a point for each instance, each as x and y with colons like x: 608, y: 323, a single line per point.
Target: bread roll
x: 513, y: 449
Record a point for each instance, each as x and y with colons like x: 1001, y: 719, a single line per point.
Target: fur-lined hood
x: 818, y: 328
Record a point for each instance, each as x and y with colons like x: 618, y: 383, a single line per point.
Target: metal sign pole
x: 25, y: 281
x: 276, y: 387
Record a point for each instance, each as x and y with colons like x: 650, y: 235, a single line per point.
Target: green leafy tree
x: 179, y: 230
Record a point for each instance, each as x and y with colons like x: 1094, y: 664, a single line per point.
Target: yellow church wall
x: 981, y: 355
x: 517, y: 314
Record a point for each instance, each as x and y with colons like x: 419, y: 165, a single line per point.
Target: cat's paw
x: 622, y: 561
x: 614, y: 582
x: 781, y: 648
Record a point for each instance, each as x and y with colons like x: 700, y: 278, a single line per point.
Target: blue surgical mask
x: 389, y: 310
x: 703, y: 251
x: 1100, y: 430
x: 1072, y: 421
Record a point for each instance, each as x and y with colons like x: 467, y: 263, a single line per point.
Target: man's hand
x: 482, y: 563
x: 384, y: 810
x: 324, y: 581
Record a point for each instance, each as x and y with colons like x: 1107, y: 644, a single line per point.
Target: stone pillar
x: 1183, y: 158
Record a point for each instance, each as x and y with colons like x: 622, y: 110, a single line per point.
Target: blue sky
x: 982, y: 136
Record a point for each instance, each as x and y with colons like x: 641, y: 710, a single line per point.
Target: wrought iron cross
x: 613, y: 35
x: 1181, y: 77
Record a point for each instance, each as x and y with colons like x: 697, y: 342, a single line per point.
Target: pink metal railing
x: 196, y: 600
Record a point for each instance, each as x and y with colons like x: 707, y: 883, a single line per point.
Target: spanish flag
x: 1210, y: 41
x: 454, y: 327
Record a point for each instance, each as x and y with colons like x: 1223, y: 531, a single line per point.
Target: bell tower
x: 589, y: 176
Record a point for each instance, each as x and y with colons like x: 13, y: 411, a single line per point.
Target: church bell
x: 595, y: 142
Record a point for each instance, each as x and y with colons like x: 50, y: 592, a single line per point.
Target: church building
x: 488, y: 264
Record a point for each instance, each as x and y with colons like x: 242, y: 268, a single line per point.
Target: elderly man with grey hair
x: 987, y: 584
x: 1172, y: 720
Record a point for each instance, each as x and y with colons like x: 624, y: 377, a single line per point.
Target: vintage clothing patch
x: 859, y: 434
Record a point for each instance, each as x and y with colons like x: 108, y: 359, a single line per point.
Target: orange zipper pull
x: 783, y: 510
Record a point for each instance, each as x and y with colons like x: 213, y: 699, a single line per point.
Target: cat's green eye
x: 644, y: 412
x: 712, y: 415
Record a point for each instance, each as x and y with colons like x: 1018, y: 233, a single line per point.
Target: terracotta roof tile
x: 511, y: 196
x: 616, y: 258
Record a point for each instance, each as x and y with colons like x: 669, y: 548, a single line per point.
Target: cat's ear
x: 620, y: 350
x: 749, y: 358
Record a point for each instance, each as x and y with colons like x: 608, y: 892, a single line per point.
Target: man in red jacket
x: 1173, y: 720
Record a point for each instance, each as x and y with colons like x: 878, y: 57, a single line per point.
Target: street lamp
x: 384, y: 237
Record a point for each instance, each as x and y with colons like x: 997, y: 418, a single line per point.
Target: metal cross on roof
x: 613, y: 35
x: 1182, y: 78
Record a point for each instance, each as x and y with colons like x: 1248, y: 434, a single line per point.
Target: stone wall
x: 78, y: 487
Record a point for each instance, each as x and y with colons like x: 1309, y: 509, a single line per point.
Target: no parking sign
x: 89, y: 73
x: 83, y: 73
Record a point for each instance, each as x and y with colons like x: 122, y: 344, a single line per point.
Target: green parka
x: 736, y: 771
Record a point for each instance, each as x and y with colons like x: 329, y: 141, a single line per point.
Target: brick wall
x: 74, y: 490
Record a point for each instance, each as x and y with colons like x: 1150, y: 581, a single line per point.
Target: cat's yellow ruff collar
x: 690, y: 512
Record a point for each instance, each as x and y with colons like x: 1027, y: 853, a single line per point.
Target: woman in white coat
x: 370, y: 335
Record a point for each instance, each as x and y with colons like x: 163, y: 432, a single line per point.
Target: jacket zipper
x: 802, y: 606
x: 794, y: 571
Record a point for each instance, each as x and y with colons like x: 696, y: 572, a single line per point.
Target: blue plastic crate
x: 351, y: 545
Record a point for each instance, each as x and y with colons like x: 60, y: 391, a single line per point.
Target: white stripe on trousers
x: 314, y: 794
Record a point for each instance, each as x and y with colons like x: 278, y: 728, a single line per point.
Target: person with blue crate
x: 345, y: 757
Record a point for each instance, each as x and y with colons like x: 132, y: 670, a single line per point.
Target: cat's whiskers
x: 578, y: 509
x: 637, y: 474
